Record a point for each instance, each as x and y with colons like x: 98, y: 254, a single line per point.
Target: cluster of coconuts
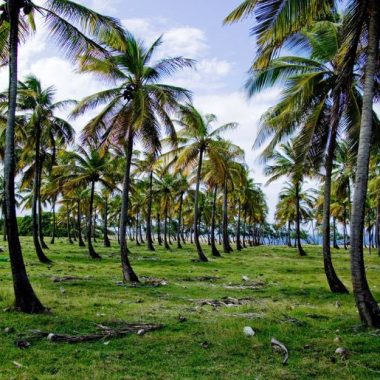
x: 25, y: 5
x: 128, y: 92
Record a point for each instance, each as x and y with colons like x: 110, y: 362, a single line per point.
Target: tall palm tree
x: 45, y: 130
x: 197, y: 139
x: 87, y: 167
x: 136, y: 110
x: 74, y: 27
x: 284, y: 162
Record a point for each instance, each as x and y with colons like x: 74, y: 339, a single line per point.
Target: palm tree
x: 197, y: 139
x: 87, y: 167
x: 285, y: 162
x: 44, y: 130
x: 136, y: 109
x: 74, y: 39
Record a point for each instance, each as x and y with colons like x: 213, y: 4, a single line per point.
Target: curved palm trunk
x: 35, y: 200
x: 91, y: 249
x: 166, y: 244
x: 239, y: 247
x: 201, y: 255
x: 52, y: 241
x: 335, y: 284
x: 128, y: 274
x: 300, y: 250
x: 25, y: 298
x: 368, y: 308
x: 214, y: 250
x: 149, y: 239
x: 179, y: 228
x: 79, y: 225
x: 106, y: 240
x: 226, y: 242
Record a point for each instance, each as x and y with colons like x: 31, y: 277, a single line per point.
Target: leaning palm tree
x: 136, y: 110
x: 75, y: 28
x: 197, y: 139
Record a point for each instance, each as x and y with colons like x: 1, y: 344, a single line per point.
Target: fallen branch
x: 69, y: 278
x: 225, y: 301
x: 276, y: 343
x: 105, y: 333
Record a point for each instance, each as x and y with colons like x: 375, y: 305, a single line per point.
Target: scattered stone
x: 342, y: 352
x: 225, y: 301
x: 248, y: 331
x: 50, y: 337
x: 69, y: 278
x: 246, y: 315
x: 141, y: 332
x: 337, y: 304
x: 337, y: 339
x: 205, y: 344
x: 8, y: 330
x: 62, y: 290
x: 306, y: 347
x: 106, y: 343
x: 245, y: 278
x: 120, y: 283
x: 22, y: 344
x: 155, y: 282
x: 182, y: 319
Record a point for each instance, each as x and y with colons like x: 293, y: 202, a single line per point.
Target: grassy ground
x: 290, y: 301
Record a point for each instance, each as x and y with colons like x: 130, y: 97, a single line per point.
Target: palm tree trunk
x: 377, y: 229
x: 40, y: 230
x: 106, y: 240
x: 68, y: 225
x: 149, y: 240
x: 4, y: 221
x: 91, y: 249
x: 368, y: 308
x: 239, y: 247
x: 128, y: 274
x: 79, y: 225
x: 335, y: 243
x: 179, y: 245
x: 52, y: 241
x: 335, y: 284
x: 159, y: 238
x: 214, y: 250
x: 226, y: 243
x: 25, y: 298
x: 166, y: 244
x: 201, y: 255
x: 289, y: 241
x: 35, y: 199
x: 137, y: 230
x: 301, y: 252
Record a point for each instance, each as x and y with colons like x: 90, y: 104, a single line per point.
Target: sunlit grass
x: 291, y: 303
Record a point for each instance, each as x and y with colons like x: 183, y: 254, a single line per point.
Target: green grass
x: 293, y: 305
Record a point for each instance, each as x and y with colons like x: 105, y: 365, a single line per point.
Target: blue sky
x: 193, y: 29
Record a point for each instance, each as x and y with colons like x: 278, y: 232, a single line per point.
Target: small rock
x: 141, y: 332
x: 306, y: 346
x: 62, y: 289
x: 181, y: 318
x: 22, y: 344
x: 8, y: 330
x: 106, y: 343
x: 341, y: 351
x: 205, y: 344
x: 337, y: 304
x: 120, y: 283
x: 337, y: 339
x: 245, y: 278
x: 50, y: 337
x: 248, y: 331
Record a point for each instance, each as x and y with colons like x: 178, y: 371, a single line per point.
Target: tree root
x: 105, y: 332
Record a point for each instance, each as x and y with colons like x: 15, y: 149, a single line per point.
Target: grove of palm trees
x: 141, y: 240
